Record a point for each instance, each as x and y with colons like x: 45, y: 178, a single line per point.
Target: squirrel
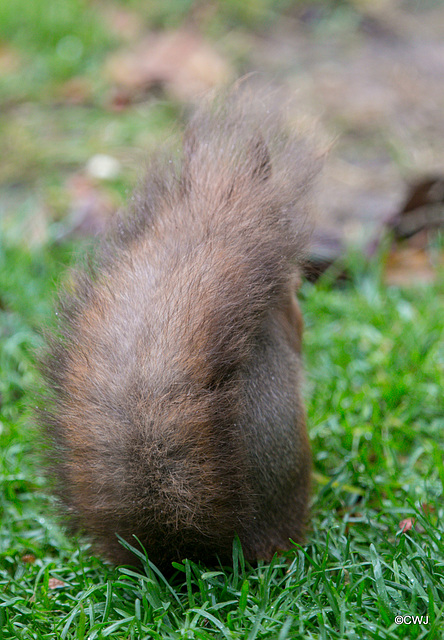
x: 174, y: 411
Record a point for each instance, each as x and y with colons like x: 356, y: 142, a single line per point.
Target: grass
x: 374, y: 361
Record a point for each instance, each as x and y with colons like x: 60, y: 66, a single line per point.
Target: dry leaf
x: 406, y: 266
x: 407, y: 524
x: 55, y: 583
x: 180, y: 61
x: 423, y: 209
x: 28, y: 558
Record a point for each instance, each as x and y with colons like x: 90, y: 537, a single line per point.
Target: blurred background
x: 88, y: 88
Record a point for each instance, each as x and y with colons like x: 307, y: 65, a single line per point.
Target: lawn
x: 374, y: 378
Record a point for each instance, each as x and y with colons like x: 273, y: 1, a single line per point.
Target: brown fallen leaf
x: 28, y: 558
x: 423, y: 208
x: 181, y: 62
x: 407, y: 524
x: 55, y: 583
x: 407, y: 265
x: 410, y: 261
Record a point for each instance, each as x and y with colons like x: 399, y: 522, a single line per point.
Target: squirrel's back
x: 175, y: 411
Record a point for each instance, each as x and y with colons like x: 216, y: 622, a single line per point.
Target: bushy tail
x: 145, y: 370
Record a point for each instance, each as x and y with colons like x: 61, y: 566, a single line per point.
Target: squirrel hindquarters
x: 175, y: 412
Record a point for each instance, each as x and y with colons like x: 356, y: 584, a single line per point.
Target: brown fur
x: 175, y: 412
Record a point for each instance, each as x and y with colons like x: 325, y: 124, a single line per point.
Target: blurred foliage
x: 229, y: 13
x: 55, y: 41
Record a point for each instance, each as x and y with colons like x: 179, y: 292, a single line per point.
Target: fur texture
x: 175, y: 411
